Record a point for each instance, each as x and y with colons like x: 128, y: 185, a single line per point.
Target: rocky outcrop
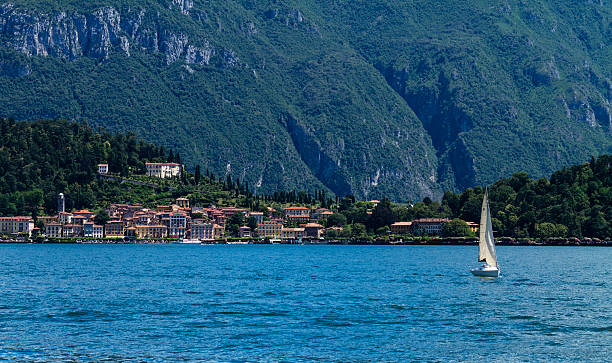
x: 320, y: 164
x: 97, y: 35
x: 183, y: 5
x: 444, y: 120
x: 543, y: 74
x: 292, y: 18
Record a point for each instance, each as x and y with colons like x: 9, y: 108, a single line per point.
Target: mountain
x: 371, y: 98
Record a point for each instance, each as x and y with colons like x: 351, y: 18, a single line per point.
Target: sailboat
x: 486, y: 243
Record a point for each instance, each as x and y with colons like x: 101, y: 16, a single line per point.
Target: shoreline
x: 430, y: 242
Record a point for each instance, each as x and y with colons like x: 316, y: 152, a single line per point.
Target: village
x: 179, y: 221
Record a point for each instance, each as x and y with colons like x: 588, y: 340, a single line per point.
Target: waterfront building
x: 53, y: 230
x: 428, y: 226
x: 92, y: 230
x: 164, y: 170
x: 98, y: 231
x: 177, y: 232
x: 296, y: 211
x: 291, y: 235
x: 114, y: 229
x: 206, y: 231
x: 313, y: 230
x: 17, y: 225
x: 142, y: 218
x: 270, y: 229
x: 103, y: 169
x: 88, y: 229
x: 177, y: 225
x: 401, y: 227
x: 72, y: 230
x: 130, y: 232
x: 151, y: 231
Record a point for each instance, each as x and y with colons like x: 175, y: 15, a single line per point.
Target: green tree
x: 456, y: 228
x: 545, y: 230
x: 101, y: 217
x: 197, y: 175
x: 358, y: 230
x: 382, y: 215
x: 336, y: 220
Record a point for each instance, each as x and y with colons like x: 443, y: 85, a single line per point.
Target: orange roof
x: 16, y: 217
x: 430, y: 220
x: 313, y: 225
x: 301, y: 208
x: 402, y: 224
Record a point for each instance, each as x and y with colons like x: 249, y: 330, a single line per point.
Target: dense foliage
x: 575, y: 202
x: 40, y: 159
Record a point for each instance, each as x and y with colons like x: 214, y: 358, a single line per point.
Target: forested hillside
x: 370, y: 98
x: 40, y: 159
x: 575, y: 201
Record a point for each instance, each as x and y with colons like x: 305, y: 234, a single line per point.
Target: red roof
x: 171, y: 164
x: 312, y: 225
x: 301, y: 208
x: 430, y: 220
x: 16, y: 217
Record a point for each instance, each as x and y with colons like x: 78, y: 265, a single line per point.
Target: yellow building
x: 207, y: 231
x: 114, y: 229
x: 270, y: 229
x: 151, y: 231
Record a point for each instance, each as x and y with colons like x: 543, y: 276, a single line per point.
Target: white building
x: 164, y: 170
x: 17, y: 225
x: 53, y: 230
x: 102, y: 168
x: 65, y: 217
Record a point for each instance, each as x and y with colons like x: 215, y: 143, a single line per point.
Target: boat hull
x: 485, y: 272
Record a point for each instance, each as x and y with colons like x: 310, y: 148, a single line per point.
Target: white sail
x: 486, y: 244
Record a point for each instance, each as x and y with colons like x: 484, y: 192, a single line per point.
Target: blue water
x: 302, y: 303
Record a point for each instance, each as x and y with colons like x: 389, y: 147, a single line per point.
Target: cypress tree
x: 197, y: 175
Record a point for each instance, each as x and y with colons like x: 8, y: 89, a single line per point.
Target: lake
x: 302, y: 303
